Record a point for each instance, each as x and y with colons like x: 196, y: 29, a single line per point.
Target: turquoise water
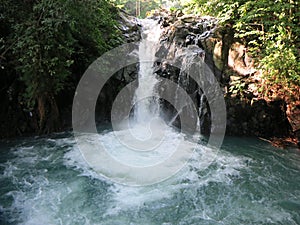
x: 46, y: 181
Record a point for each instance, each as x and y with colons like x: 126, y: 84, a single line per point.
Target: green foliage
x: 43, y: 50
x: 43, y: 39
x: 238, y: 87
x: 143, y: 6
x: 270, y: 29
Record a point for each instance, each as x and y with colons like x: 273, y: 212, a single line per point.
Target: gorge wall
x: 184, y: 36
x: 248, y: 112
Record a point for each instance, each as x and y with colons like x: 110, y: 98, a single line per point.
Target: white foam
x: 41, y: 200
x: 227, y: 167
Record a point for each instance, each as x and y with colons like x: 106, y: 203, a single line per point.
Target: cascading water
x: 147, y: 107
x: 188, y: 56
x: 144, y: 142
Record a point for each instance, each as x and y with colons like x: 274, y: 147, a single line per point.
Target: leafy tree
x: 269, y: 28
x: 42, y: 39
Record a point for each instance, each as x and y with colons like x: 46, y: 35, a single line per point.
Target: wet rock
x: 130, y: 27
x: 165, y: 23
x: 190, y: 39
x: 187, y: 18
x: 181, y: 33
x: 162, y: 52
x: 179, y: 13
x: 178, y: 25
x: 261, y: 118
x: 181, y: 42
x: 222, y: 53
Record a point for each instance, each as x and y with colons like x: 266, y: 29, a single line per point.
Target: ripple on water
x: 48, y: 182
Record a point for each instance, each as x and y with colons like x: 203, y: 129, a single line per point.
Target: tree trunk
x: 49, y: 120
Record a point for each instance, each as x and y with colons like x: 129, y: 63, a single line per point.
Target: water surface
x: 46, y: 181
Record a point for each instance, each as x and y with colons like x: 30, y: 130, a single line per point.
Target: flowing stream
x: 45, y: 180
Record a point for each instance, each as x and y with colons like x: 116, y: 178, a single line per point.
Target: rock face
x: 130, y: 27
x: 181, y: 45
x: 228, y: 60
x: 131, y: 30
x: 257, y: 118
x: 188, y: 38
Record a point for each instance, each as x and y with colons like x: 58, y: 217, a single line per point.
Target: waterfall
x: 188, y: 56
x: 143, y: 149
x: 146, y: 97
x: 147, y: 107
